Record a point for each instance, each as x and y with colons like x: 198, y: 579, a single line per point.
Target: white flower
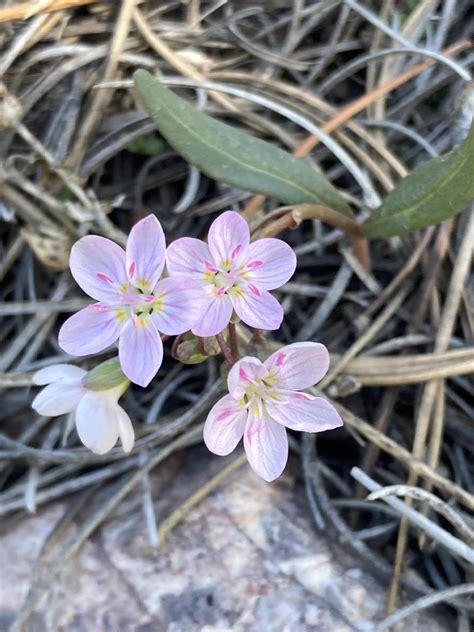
x: 100, y: 421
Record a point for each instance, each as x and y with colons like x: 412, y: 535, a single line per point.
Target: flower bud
x: 105, y: 376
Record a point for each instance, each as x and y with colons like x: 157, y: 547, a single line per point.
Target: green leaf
x: 231, y: 155
x: 436, y: 190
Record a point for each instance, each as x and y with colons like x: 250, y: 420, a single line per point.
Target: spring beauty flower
x: 134, y: 304
x: 235, y: 274
x: 100, y: 421
x: 264, y: 399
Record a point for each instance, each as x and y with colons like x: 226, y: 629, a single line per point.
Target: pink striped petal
x: 57, y: 399
x: 271, y: 263
x: 96, y: 422
x: 125, y: 430
x: 98, y: 266
x: 229, y: 238
x: 180, y: 303
x: 266, y: 446
x: 146, y: 253
x: 260, y: 310
x: 242, y: 374
x: 303, y: 412
x: 216, y: 316
x: 140, y: 351
x: 299, y: 365
x: 224, y: 426
x: 187, y: 256
x: 89, y: 331
x: 65, y: 373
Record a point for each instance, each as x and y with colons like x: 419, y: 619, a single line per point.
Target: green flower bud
x: 106, y: 376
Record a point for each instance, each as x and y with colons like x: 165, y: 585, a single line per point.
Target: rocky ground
x: 247, y: 558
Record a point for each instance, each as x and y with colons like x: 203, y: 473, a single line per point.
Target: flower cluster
x: 149, y: 290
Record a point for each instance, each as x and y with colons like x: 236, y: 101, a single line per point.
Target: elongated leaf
x: 230, y: 155
x: 437, y: 189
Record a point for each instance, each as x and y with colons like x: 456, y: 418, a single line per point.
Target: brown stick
x: 25, y: 10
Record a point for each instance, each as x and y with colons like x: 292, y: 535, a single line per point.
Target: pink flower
x: 100, y: 421
x: 264, y: 399
x: 235, y: 273
x: 134, y: 304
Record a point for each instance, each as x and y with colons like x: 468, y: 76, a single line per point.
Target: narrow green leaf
x: 230, y: 155
x: 436, y: 190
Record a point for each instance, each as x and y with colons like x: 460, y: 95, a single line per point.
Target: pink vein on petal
x: 131, y: 269
x: 281, y: 359
x: 236, y: 251
x: 254, y: 289
x: 98, y: 307
x: 224, y: 414
x: 210, y: 266
x: 104, y: 277
x: 254, y: 265
x: 243, y: 375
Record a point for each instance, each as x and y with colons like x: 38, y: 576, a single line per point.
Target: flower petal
x: 299, y: 365
x: 146, y: 253
x: 186, y: 256
x: 271, y: 263
x: 260, y: 310
x: 228, y: 238
x: 241, y: 375
x: 266, y: 446
x: 216, y: 316
x: 303, y: 412
x: 125, y: 430
x: 224, y: 426
x: 57, y: 399
x: 140, y: 351
x: 96, y: 422
x: 98, y: 265
x: 66, y: 373
x: 89, y: 331
x: 179, y: 304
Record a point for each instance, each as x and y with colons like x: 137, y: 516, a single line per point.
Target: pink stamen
x: 224, y: 414
x: 98, y: 307
x: 104, y: 277
x: 211, y: 267
x: 221, y: 291
x: 254, y: 265
x: 236, y: 251
x: 148, y: 299
x: 281, y: 357
x: 254, y: 289
x: 131, y: 269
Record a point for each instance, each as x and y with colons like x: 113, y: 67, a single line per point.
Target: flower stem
x: 226, y: 352
x: 234, y: 345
